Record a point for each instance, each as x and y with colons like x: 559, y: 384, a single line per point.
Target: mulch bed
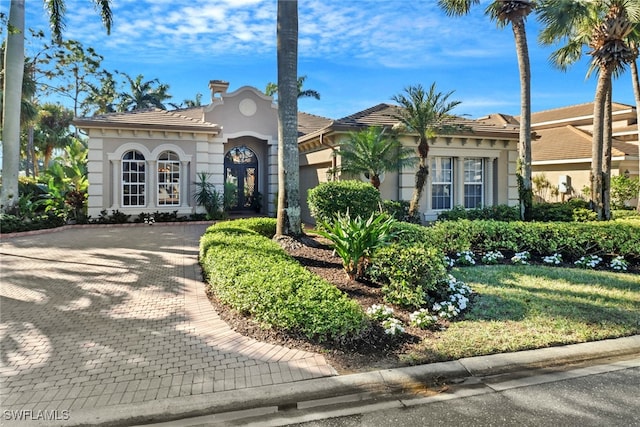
x: 375, y: 350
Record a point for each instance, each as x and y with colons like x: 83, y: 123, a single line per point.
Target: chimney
x: 217, y: 86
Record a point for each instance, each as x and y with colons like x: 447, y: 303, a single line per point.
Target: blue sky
x: 356, y: 53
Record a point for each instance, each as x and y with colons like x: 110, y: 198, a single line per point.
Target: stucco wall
x: 106, y: 148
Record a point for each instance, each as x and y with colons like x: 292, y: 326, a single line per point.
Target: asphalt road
x: 604, y: 395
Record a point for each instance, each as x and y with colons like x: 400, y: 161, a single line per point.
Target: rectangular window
x: 473, y: 183
x: 441, y: 183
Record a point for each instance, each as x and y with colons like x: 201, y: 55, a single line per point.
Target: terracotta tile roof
x: 385, y: 115
x: 569, y: 142
x: 500, y: 119
x: 308, y: 123
x: 571, y: 112
x: 378, y: 115
x: 152, y: 118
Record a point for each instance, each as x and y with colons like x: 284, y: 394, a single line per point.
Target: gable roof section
x: 308, y: 123
x: 147, y: 119
x: 378, y: 115
x: 580, y: 114
x: 570, y: 143
x: 385, y: 115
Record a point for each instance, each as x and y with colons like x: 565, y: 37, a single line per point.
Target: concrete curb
x: 388, y: 380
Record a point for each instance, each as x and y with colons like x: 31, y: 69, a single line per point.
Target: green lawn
x: 526, y: 307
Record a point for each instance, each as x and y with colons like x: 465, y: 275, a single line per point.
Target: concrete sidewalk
x: 111, y: 326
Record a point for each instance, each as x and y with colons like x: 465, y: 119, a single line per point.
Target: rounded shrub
x: 255, y: 276
x: 408, y: 273
x: 339, y: 197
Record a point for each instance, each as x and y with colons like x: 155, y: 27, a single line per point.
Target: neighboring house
x: 147, y: 161
x: 473, y: 167
x: 562, y: 149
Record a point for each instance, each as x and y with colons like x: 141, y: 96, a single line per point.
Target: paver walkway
x: 100, y: 316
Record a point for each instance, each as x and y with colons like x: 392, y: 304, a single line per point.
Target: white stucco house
x: 148, y: 160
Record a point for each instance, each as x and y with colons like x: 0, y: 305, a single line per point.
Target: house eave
x: 571, y: 161
x: 214, y: 130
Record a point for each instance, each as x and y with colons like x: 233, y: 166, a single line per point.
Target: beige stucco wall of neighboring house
x: 499, y: 161
x: 579, y: 173
x: 315, y: 167
x: 108, y: 145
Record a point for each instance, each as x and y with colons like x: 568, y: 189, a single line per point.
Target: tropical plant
x: 373, y: 152
x: 188, y: 103
x: 288, y: 212
x: 14, y: 73
x: 272, y: 89
x: 603, y: 26
x: 356, y: 239
x: 425, y: 113
x: 143, y: 94
x: 514, y: 12
x: 207, y: 196
x: 101, y: 97
x: 623, y: 189
x: 52, y: 130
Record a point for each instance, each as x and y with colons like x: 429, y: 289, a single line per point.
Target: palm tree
x: 101, y: 97
x: 51, y: 130
x: 514, y: 12
x: 14, y: 73
x: 288, y: 211
x: 372, y: 152
x: 272, y: 89
x: 424, y: 113
x: 603, y: 26
x: 143, y: 94
x: 636, y: 94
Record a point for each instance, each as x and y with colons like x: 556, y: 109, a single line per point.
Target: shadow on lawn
x: 514, y: 293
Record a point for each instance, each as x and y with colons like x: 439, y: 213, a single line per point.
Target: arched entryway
x: 241, y: 179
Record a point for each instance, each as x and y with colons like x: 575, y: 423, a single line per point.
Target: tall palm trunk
x: 421, y: 176
x: 604, y: 79
x: 14, y: 72
x: 635, y: 80
x: 524, y: 145
x: 288, y: 212
x: 606, y: 155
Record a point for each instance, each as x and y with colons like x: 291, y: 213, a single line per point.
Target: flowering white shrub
x: 521, y: 258
x: 591, y: 261
x: 392, y: 326
x: 379, y: 312
x: 448, y: 262
x: 619, y: 264
x: 492, y: 257
x: 555, y: 259
x: 457, y: 300
x: 149, y: 219
x: 446, y: 309
x: 465, y: 258
x: 422, y: 318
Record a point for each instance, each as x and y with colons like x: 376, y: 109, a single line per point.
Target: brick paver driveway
x: 99, y: 316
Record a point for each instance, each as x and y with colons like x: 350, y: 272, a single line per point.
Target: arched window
x: 168, y: 179
x: 133, y: 178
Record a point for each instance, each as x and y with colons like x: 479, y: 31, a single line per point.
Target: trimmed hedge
x: 571, y: 239
x: 334, y: 197
x: 254, y: 275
